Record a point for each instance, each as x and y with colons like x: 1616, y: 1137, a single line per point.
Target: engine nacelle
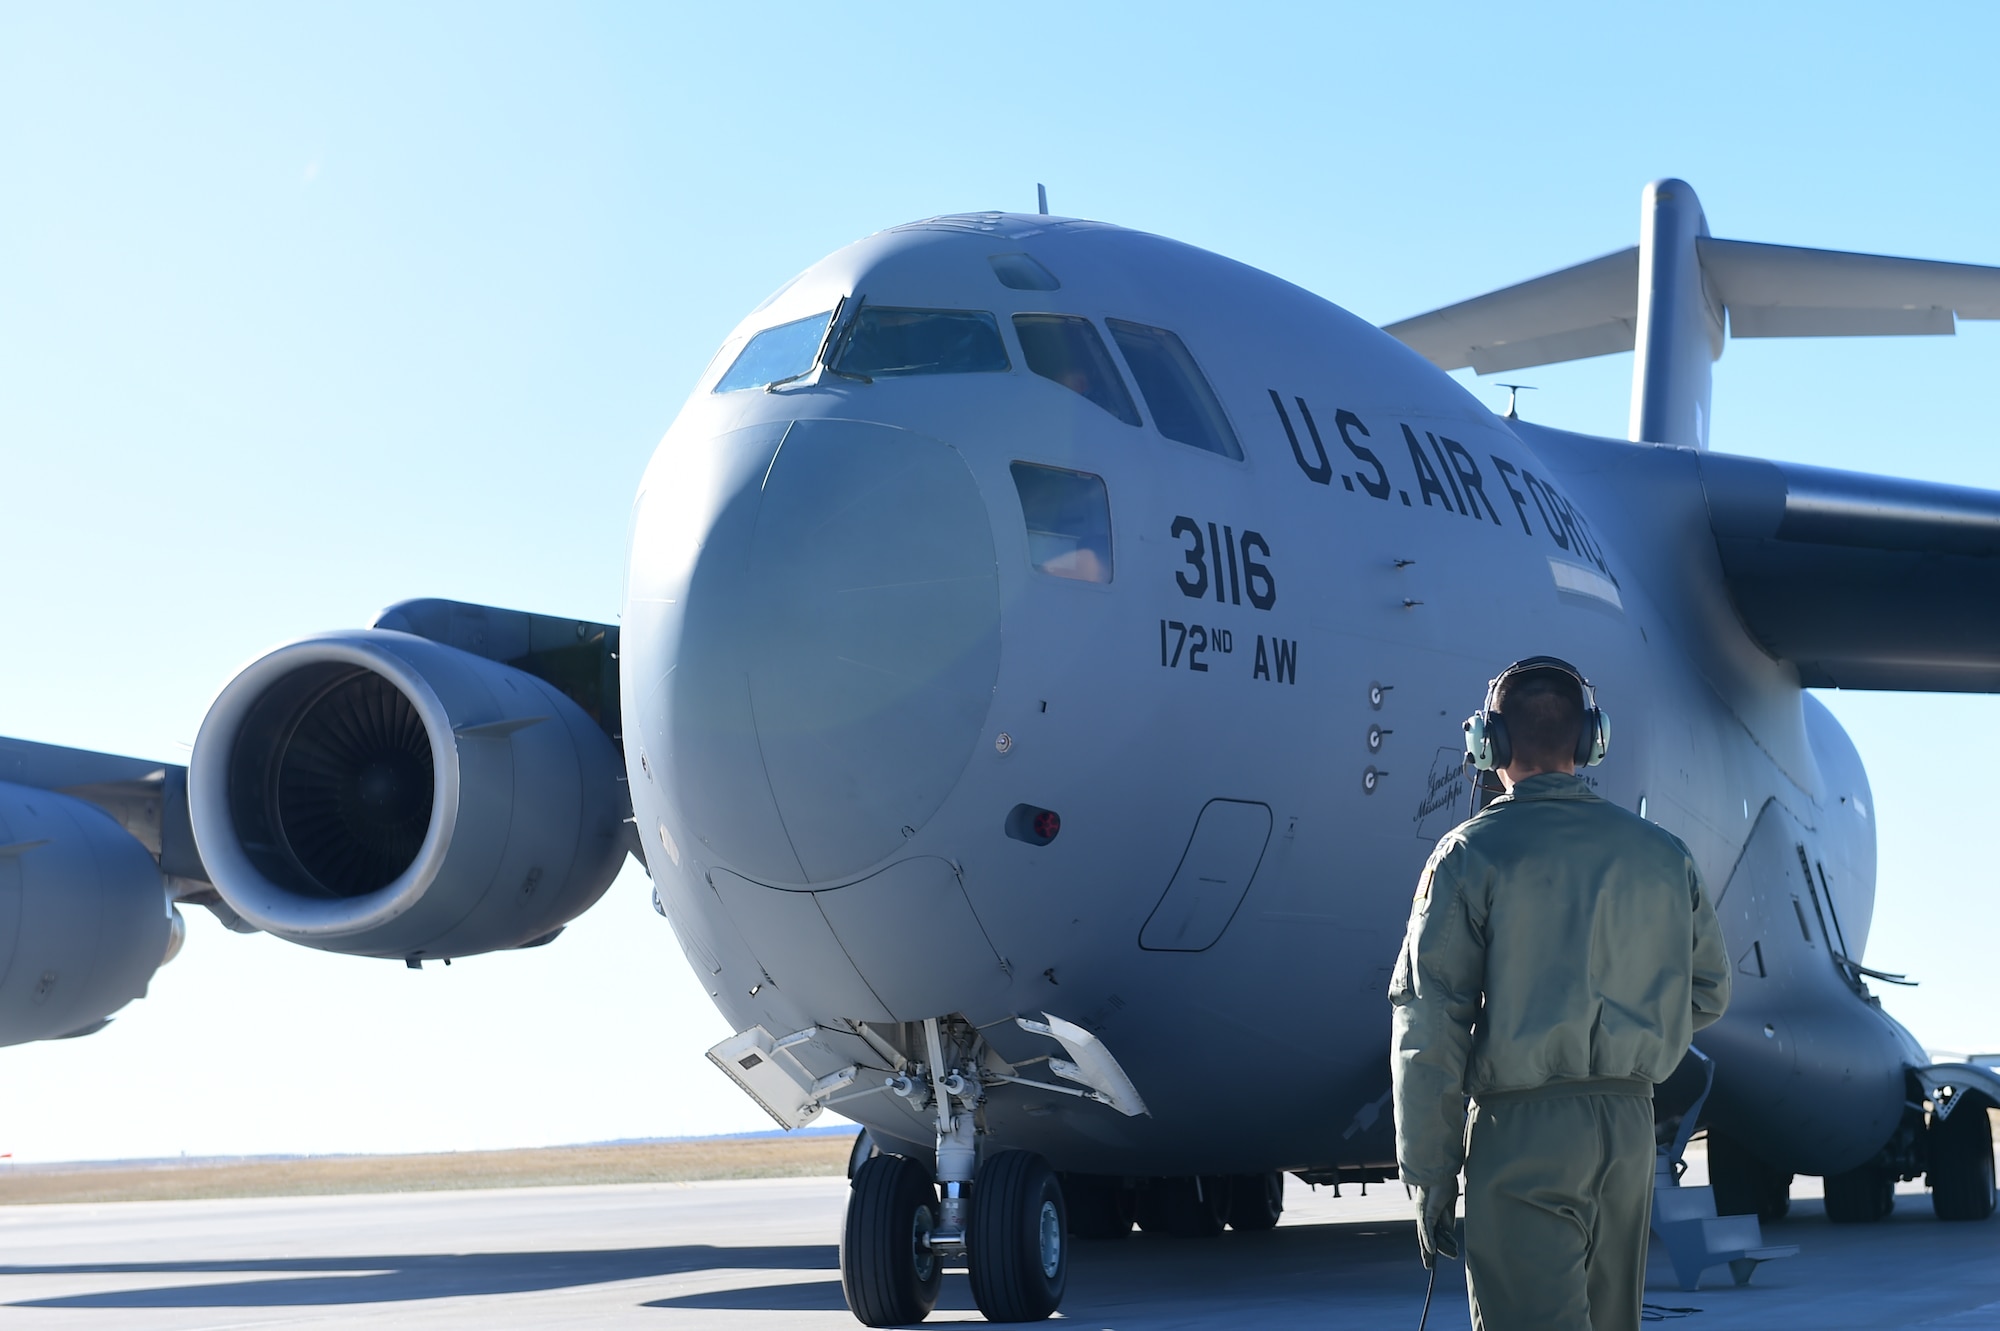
x: 378, y: 794
x: 84, y: 916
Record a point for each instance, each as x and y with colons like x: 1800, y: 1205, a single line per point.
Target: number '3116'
x: 1228, y: 564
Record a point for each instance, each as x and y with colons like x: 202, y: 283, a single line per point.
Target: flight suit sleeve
x: 1434, y: 995
x: 1711, y: 957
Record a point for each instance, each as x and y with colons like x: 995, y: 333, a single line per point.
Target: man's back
x: 1554, y: 938
x: 1588, y: 915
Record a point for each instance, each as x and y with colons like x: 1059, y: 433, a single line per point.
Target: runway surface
x: 762, y: 1254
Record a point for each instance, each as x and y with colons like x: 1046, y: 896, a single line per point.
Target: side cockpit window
x: 1069, y: 521
x: 883, y: 342
x: 784, y: 352
x: 1184, y: 407
x: 1067, y: 349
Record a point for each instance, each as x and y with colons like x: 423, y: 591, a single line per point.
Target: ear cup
x: 1501, y: 743
x: 1478, y: 747
x: 1586, y: 739
x: 1594, y: 739
x: 1597, y: 733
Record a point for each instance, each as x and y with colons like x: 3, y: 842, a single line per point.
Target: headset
x: 1487, y: 745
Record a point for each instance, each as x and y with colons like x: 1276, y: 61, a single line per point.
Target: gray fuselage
x: 842, y: 673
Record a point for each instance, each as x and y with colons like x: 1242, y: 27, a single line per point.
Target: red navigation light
x: 1033, y: 824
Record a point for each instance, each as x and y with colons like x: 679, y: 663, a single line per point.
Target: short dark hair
x: 1543, y: 710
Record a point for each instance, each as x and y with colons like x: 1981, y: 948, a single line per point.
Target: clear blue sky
x: 308, y: 310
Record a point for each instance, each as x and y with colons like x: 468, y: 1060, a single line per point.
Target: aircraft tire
x: 1101, y: 1206
x: 1961, y: 1162
x: 1186, y: 1208
x: 1860, y: 1196
x: 887, y: 1270
x: 864, y: 1150
x: 1743, y: 1183
x: 1256, y: 1201
x: 1016, y: 1238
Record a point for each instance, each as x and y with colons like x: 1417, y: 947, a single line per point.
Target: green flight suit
x: 1560, y: 956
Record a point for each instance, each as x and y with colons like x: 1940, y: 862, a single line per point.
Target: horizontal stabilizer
x: 1784, y: 291
x: 1768, y: 291
x: 1573, y: 314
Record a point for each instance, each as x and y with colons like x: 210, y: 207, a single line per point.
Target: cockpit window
x: 1184, y: 407
x: 1067, y: 349
x: 883, y: 342
x: 1022, y: 273
x: 1069, y: 521
x: 784, y: 352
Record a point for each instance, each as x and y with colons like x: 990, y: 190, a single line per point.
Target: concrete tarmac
x: 762, y: 1254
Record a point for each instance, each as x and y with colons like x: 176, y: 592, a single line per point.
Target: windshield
x: 784, y: 352
x: 1184, y: 407
x: 1067, y: 349
x: 884, y: 342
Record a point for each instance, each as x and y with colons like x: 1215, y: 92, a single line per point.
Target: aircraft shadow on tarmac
x: 805, y: 1296
x: 1301, y: 1263
x: 1909, y: 1269
x: 319, y: 1281
x: 1294, y: 1262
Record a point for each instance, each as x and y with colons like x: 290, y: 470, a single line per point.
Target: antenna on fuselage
x: 1513, y: 391
x: 1042, y: 199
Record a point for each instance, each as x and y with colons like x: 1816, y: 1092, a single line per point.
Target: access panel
x: 1221, y: 859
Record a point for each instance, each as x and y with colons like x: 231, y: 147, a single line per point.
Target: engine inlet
x: 354, y: 786
x: 332, y: 782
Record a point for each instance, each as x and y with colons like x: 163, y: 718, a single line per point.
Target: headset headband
x: 1526, y: 664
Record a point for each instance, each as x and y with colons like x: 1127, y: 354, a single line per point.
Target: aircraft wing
x: 1863, y: 582
x: 147, y: 799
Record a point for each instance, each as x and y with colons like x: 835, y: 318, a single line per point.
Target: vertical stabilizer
x: 1678, y: 333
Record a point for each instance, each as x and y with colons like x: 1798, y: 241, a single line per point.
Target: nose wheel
x: 1017, y: 1241
x: 1016, y: 1245
x: 888, y: 1270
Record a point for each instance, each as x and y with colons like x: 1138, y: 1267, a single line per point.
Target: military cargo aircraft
x: 1039, y: 682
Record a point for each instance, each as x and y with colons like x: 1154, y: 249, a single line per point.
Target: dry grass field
x: 654, y: 1162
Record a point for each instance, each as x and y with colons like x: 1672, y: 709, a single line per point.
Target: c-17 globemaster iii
x: 1039, y: 682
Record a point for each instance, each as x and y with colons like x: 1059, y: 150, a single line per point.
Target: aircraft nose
x: 825, y: 671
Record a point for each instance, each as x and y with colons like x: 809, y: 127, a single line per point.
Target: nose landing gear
x: 1003, y: 1219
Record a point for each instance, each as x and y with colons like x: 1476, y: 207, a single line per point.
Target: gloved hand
x: 1437, y: 1222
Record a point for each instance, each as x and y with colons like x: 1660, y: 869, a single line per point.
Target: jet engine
x: 378, y: 794
x: 84, y: 916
